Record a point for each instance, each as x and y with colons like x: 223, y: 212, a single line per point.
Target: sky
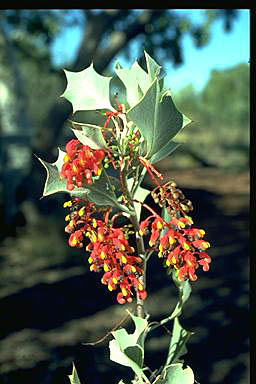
x: 225, y: 50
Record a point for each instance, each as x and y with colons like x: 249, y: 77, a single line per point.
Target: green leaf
x: 140, y: 195
x: 175, y: 374
x: 53, y: 183
x: 74, y: 379
x: 171, y: 145
x: 136, y: 82
x: 87, y: 90
x: 135, y: 353
x: 184, y: 288
x: 157, y: 118
x: 90, y: 135
x: 177, y: 347
x: 152, y: 67
x: 164, y: 152
x: 100, y: 192
x: 128, y: 349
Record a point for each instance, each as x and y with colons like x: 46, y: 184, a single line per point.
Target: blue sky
x: 224, y: 50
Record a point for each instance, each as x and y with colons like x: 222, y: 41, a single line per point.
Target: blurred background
x: 50, y: 303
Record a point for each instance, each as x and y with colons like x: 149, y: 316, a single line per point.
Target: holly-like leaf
x: 128, y: 349
x: 53, y: 183
x: 87, y: 90
x: 177, y: 347
x: 136, y: 82
x: 74, y: 379
x: 100, y: 192
x: 176, y: 374
x: 157, y: 118
x: 89, y: 134
x: 152, y: 67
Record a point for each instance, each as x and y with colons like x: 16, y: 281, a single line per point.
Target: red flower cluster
x: 81, y: 164
x: 181, y: 246
x: 110, y: 250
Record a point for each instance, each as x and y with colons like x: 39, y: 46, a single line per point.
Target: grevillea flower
x: 109, y: 249
x: 81, y: 164
x: 181, y: 246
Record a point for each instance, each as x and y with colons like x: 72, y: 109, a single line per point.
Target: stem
x: 141, y: 252
x: 139, y: 240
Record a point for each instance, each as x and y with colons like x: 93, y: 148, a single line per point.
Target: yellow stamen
x: 202, y: 232
x: 150, y: 243
x: 90, y: 260
x: 173, y: 260
x: 205, y: 244
x: 133, y: 269
x: 66, y: 159
x: 186, y: 246
x: 74, y: 241
x: 92, y: 267
x: 100, y: 237
x: 114, y: 280
x: 67, y: 204
x: 140, y: 287
x: 94, y: 223
x: 99, y: 172
x: 81, y: 211
x: 141, y: 232
x: 124, y: 292
x: 110, y: 287
x: 93, y: 237
x: 181, y: 224
x: 102, y: 255
x: 160, y: 254
x: 171, y: 240
x: 105, y: 267
x: 67, y: 218
x: 124, y: 260
x: 168, y: 263
x: 189, y: 219
x: 159, y: 225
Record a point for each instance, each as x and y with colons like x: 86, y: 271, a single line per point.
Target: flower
x: 181, y: 246
x: 109, y: 250
x: 81, y: 164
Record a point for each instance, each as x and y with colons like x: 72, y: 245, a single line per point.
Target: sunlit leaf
x: 87, y: 90
x: 152, y: 67
x: 136, y: 81
x: 128, y: 349
x: 157, y: 118
x: 90, y: 135
x: 74, y: 379
x: 176, y: 374
x: 100, y: 192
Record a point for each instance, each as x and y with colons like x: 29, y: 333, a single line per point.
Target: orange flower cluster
x: 181, y: 246
x: 109, y: 250
x: 81, y: 164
